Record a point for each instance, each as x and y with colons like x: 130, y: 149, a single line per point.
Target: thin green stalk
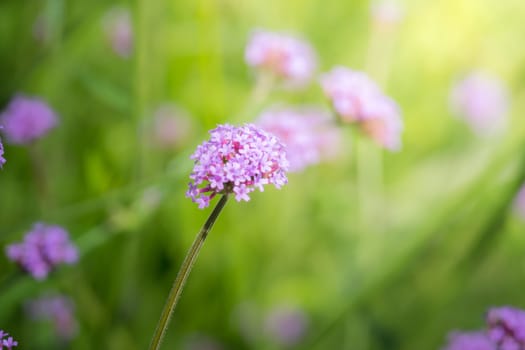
x: 183, y: 274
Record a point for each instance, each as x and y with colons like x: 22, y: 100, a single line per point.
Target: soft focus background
x: 349, y: 255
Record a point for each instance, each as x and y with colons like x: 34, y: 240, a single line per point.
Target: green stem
x: 183, y: 274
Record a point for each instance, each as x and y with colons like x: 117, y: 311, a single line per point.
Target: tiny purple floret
x: 7, y: 341
x: 43, y: 248
x: 27, y: 119
x: 236, y: 160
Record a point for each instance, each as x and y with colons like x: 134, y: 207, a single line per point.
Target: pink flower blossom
x: 308, y: 134
x: 286, y: 57
x: 236, y: 160
x: 358, y: 99
x: 482, y: 101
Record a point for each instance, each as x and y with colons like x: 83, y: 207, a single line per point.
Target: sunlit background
x: 370, y: 249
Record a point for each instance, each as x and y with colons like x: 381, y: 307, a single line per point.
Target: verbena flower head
x: 6, y: 341
x: 119, y: 31
x: 507, y: 328
x: 236, y: 160
x: 482, y: 101
x: 384, y: 124
x: 308, y: 135
x: 469, y: 341
x: 27, y: 119
x: 286, y: 325
x: 43, y: 248
x: 352, y: 93
x: 57, y: 309
x: 358, y: 99
x: 286, y: 57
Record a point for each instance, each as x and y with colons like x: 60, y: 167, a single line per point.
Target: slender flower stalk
x: 235, y: 160
x: 183, y: 274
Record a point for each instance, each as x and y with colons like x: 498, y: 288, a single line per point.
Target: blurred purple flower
x: 307, y: 134
x: 119, y: 31
x: 172, y: 126
x: 357, y: 99
x: 57, y: 309
x: 27, y: 119
x: 286, y: 57
x: 385, y: 124
x: 286, y: 325
x: 386, y: 13
x: 7, y: 341
x: 482, y: 101
x: 469, y: 341
x: 43, y: 248
x: 236, y: 160
x: 2, y: 159
x: 507, y: 327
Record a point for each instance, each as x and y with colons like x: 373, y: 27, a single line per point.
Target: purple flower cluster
x: 59, y: 310
x: 507, y: 328
x: 357, y: 99
x: 27, y: 119
x: 307, y: 134
x: 469, y: 341
x: 236, y: 160
x: 482, y: 101
x: 506, y: 331
x: 7, y: 341
x: 286, y: 57
x: 43, y: 248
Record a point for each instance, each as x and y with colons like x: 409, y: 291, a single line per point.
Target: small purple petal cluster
x: 284, y: 56
x: 27, y: 119
x: 59, y: 310
x: 286, y: 325
x: 482, y: 101
x: 43, y: 248
x: 469, y: 341
x: 236, y: 160
x: 506, y: 331
x: 357, y: 99
x: 119, y: 31
x: 307, y: 134
x: 507, y: 328
x: 2, y: 159
x: 6, y: 341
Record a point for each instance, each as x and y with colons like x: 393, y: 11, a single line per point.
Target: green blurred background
x: 395, y: 266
